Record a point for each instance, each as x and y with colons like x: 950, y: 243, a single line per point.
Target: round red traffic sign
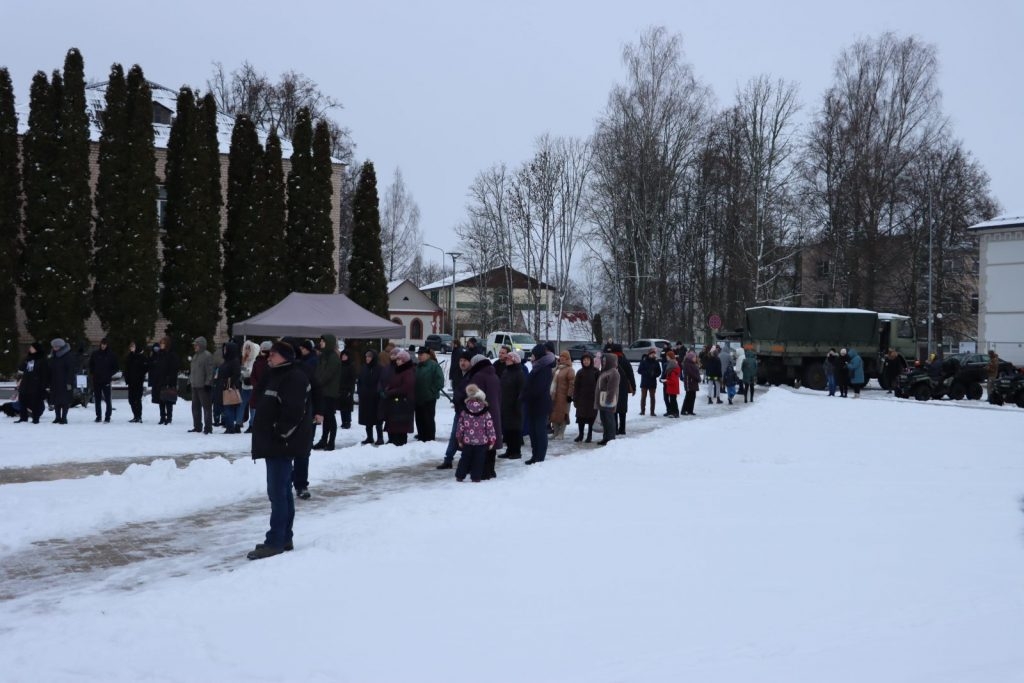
x: 715, y: 322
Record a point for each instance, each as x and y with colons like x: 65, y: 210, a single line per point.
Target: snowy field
x: 800, y: 538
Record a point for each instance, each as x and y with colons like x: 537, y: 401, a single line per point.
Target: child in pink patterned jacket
x: 475, y: 434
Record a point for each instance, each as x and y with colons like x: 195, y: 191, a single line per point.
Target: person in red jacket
x: 672, y: 373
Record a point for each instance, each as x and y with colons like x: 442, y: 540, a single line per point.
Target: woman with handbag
x: 165, y: 379
x: 230, y: 376
x: 399, y: 395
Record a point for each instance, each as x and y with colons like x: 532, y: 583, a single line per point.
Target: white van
x: 520, y: 342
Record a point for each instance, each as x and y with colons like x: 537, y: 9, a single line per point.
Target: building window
x: 974, y: 304
x: 161, y: 206
x: 824, y: 268
x: 416, y: 329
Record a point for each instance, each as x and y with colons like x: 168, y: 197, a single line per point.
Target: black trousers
x: 135, y: 400
x: 426, y: 428
x: 673, y: 404
x: 300, y: 473
x: 748, y: 391
x: 688, y: 401
x: 202, y: 408
x: 33, y: 404
x: 101, y: 393
x: 330, y: 427
x: 513, y: 439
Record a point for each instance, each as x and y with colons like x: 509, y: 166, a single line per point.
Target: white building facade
x: 1001, y: 287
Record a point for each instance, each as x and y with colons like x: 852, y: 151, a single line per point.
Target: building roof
x: 494, y: 278
x: 999, y: 223
x: 95, y: 104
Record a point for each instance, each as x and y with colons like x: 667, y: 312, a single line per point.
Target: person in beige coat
x: 561, y: 393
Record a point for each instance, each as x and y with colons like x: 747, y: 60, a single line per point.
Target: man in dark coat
x: 537, y: 401
x: 306, y: 360
x: 282, y: 430
x: 346, y: 389
x: 328, y: 380
x: 649, y: 370
x: 627, y: 387
x: 103, y: 366
x: 62, y: 379
x: 512, y: 382
x: 459, y: 385
x: 368, y: 387
x: 35, y: 376
x: 482, y: 374
x: 166, y: 369
x: 135, y: 368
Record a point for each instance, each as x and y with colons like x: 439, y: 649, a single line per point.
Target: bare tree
x: 881, y: 113
x: 648, y: 137
x: 400, y: 235
x: 275, y: 105
x: 574, y: 165
x: 489, y: 212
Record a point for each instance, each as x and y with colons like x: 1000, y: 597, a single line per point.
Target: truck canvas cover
x: 808, y: 327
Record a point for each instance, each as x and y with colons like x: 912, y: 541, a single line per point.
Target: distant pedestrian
x: 749, y: 374
x: 843, y: 372
x: 831, y: 365
x: 691, y: 381
x: 135, y: 368
x: 672, y: 374
x: 855, y: 366
x: 429, y: 383
x: 649, y: 370
x: 103, y: 366
x: 368, y: 388
x: 561, y: 394
x: 34, y: 378
x: 200, y: 377
x: 607, y: 397
x: 584, y: 394
x: 164, y: 374
x: 537, y: 402
x: 713, y: 370
x: 512, y: 382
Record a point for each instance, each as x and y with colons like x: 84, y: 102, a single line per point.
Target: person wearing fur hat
x: 512, y: 381
x: 482, y: 374
x: 561, y: 394
x: 583, y: 392
x: 62, y: 379
x: 282, y: 431
x: 250, y: 352
x: 34, y: 377
x: 476, y: 435
x: 537, y: 401
x: 399, y: 395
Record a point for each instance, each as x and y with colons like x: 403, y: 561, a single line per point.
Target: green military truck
x: 791, y: 343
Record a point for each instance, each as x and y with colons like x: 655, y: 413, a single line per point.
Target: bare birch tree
x: 400, y: 235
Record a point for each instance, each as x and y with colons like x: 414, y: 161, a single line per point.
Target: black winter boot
x: 590, y: 432
x: 579, y: 437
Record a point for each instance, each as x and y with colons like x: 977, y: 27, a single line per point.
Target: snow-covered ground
x: 801, y: 538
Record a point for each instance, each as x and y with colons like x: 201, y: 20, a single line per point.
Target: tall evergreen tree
x: 300, y: 191
x: 57, y: 237
x: 277, y: 281
x: 190, y: 298
x: 10, y: 224
x: 244, y: 241
x: 367, y: 286
x: 319, y: 236
x: 76, y: 257
x: 125, y: 289
x: 40, y: 274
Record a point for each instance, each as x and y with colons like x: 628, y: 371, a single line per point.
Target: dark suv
x: 442, y: 343
x: 974, y: 366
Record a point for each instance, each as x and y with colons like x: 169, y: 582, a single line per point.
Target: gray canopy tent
x: 310, y: 315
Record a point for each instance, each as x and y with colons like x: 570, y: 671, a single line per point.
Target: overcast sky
x: 444, y: 89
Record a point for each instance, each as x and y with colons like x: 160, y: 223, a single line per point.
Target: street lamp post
x: 454, y: 255
x: 443, y: 254
x: 930, y: 237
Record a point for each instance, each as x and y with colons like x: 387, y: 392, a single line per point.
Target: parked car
x: 974, y: 366
x: 576, y: 351
x: 638, y: 349
x: 520, y: 342
x: 440, y: 343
